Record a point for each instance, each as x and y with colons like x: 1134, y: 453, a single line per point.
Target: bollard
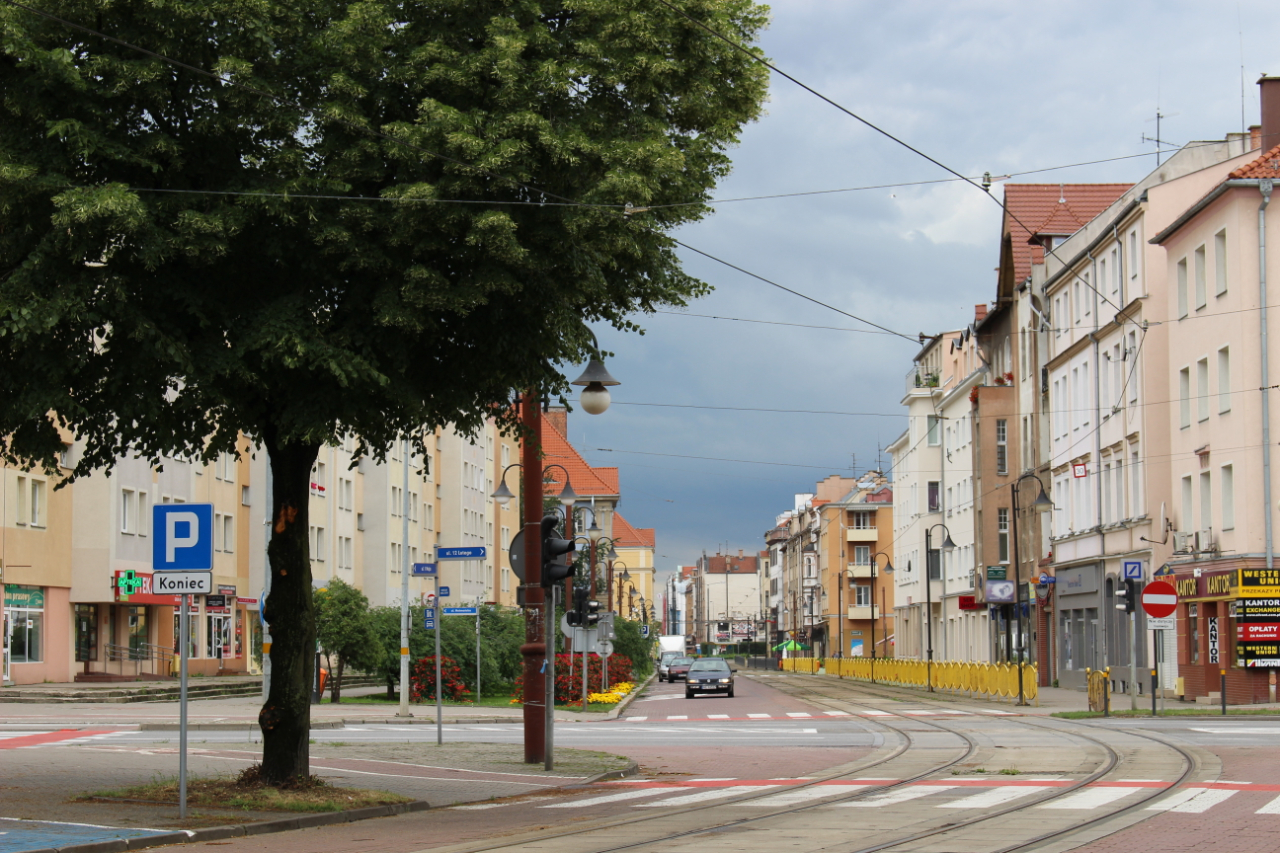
x: 1154, y: 711
x: 1223, y: 675
x: 1106, y: 695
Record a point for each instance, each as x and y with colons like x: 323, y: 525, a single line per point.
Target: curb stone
x: 218, y: 833
x: 631, y: 769
x: 631, y: 697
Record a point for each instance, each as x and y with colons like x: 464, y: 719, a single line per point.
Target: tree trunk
x: 337, y: 680
x: 285, y: 719
x: 391, y: 688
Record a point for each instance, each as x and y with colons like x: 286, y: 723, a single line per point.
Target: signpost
x: 475, y: 552
x: 182, y: 548
x: 1159, y: 601
x: 1258, y: 612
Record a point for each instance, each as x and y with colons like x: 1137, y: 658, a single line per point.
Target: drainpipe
x: 1265, y: 186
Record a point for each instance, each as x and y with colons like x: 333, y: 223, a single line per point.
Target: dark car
x: 678, y: 669
x: 667, y: 658
x: 709, y: 675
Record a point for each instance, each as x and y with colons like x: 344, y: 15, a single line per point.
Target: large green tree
x: 346, y: 631
x: 309, y: 219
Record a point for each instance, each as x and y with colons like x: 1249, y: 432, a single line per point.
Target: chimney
x: 979, y: 312
x: 739, y: 553
x: 1255, y: 137
x: 558, y: 417
x: 1269, y: 89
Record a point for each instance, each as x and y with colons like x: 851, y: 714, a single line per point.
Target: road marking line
x: 682, y: 717
x: 634, y: 719
x: 483, y: 806
x: 716, y: 779
x: 798, y: 714
x: 1090, y: 798
x: 1198, y: 803
x: 837, y: 713
x: 990, y: 711
x: 633, y: 794
x: 760, y: 716
x: 717, y: 716
x: 919, y: 713
x: 703, y: 796
x: 892, y: 798
x: 1272, y: 807
x: 801, y: 795
x: 994, y: 797
x: 875, y: 713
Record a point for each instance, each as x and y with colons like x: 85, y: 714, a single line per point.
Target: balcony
x: 862, y: 571
x: 872, y: 612
x: 918, y: 379
x: 861, y: 534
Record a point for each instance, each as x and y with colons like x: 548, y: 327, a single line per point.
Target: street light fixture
x: 947, y: 545
x: 595, y: 396
x: 888, y: 568
x: 1040, y: 504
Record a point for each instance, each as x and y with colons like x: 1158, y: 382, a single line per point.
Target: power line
x: 752, y: 409
x: 717, y: 459
x: 777, y: 323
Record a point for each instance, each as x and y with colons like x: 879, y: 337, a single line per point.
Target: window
x: 1226, y: 483
x: 318, y: 483
x: 862, y: 595
x: 931, y: 425
x: 1133, y: 260
x: 935, y: 496
x: 864, y: 521
x: 397, y: 501
x: 862, y: 555
x: 1115, y: 274
x: 1220, y: 262
x: 1002, y: 446
x: 1135, y: 490
x: 1193, y: 631
x: 317, y: 543
x: 1119, y: 505
x: 346, y: 553
x: 429, y: 516
x: 1182, y: 288
x: 1224, y: 380
x: 1187, y: 518
x: 1206, y: 502
x: 223, y: 533
x: 1202, y: 297
x: 128, y: 510
x: 346, y: 494
x: 1184, y: 397
x: 413, y: 506
x: 64, y: 456
x: 1002, y: 526
x: 24, y: 611
x: 1106, y: 493
x: 224, y: 467
x: 1202, y: 389
x: 244, y: 496
x: 1133, y: 370
x: 37, y: 516
x: 1104, y: 390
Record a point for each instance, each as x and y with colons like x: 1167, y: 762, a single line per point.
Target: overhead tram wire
x: 226, y: 81
x: 776, y: 411
x: 872, y: 126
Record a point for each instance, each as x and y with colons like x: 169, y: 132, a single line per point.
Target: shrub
x: 422, y: 680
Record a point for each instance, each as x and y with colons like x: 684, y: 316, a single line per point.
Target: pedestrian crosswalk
x: 15, y: 739
x: 954, y: 793
x: 814, y: 715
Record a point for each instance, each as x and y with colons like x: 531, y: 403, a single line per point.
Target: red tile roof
x: 587, y: 481
x: 1057, y: 209
x: 626, y: 536
x: 1266, y: 166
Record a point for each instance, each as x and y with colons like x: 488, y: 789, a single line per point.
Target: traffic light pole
x: 538, y: 713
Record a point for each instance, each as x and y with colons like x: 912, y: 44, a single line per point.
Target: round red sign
x: 1159, y: 599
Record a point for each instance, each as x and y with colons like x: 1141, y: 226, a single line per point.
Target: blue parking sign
x: 181, y: 537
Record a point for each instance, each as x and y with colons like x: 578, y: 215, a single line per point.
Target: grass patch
x: 248, y: 792
x: 1173, y: 712
x: 1010, y: 771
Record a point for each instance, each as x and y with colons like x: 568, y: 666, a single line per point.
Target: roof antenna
x: 1062, y: 193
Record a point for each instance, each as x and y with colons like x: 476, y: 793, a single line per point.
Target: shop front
x: 127, y: 638
x: 1228, y: 626
x: 34, y: 631
x: 1078, y: 603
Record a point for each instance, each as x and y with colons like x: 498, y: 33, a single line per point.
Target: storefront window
x: 1193, y: 631
x: 138, y: 633
x: 86, y: 632
x: 24, y: 611
x: 193, y: 632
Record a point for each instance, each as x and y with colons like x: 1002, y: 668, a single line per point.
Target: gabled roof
x: 1057, y: 209
x: 626, y: 536
x: 587, y: 481
x: 1266, y: 166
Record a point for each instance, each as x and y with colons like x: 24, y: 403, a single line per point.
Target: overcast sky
x: 1004, y: 87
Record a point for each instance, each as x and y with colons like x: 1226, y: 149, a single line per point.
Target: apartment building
x: 632, y: 573
x: 726, y: 593
x: 855, y: 547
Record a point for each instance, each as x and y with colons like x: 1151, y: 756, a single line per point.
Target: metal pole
x: 404, y: 593
x: 1017, y: 592
x: 439, y: 626
x: 1154, y: 710
x: 549, y: 685
x: 184, y: 629
x: 477, y: 651
x: 583, y: 635
x: 538, y: 704
x: 1133, y: 656
x: 928, y: 598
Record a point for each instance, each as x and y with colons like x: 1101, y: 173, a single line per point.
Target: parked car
x: 709, y: 675
x: 667, y: 658
x: 678, y: 669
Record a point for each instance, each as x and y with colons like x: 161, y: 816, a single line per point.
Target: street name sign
x: 1159, y: 598
x: 460, y: 611
x: 182, y: 537
x: 424, y: 569
x: 475, y: 552
x: 182, y: 583
x: 444, y: 592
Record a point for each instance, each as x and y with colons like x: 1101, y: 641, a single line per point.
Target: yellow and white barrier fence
x: 991, y: 680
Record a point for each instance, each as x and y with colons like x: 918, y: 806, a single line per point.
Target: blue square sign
x: 1133, y: 570
x: 182, y: 537
x: 444, y: 592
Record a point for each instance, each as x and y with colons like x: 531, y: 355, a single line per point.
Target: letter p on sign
x: 183, y: 537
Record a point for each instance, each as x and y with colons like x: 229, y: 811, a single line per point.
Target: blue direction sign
x: 460, y: 611
x: 1133, y: 570
x: 429, y: 612
x: 444, y: 592
x: 428, y: 623
x: 182, y: 537
x: 476, y: 552
x: 423, y: 569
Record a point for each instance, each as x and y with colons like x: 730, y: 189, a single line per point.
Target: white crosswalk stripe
x: 633, y: 794
x: 798, y: 714
x: 897, y: 795
x: 1272, y: 807
x: 705, y: 795
x: 1090, y: 798
x: 760, y: 716
x: 1192, y: 801
x: 802, y: 795
x: 837, y: 713
x: 992, y: 797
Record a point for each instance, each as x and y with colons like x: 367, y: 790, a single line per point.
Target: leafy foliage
x: 345, y: 630
x: 422, y: 680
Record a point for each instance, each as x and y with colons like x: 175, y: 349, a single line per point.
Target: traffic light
x: 555, y: 553
x: 577, y: 617
x: 590, y: 612
x: 1128, y: 596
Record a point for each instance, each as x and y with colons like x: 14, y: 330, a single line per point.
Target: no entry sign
x: 1159, y: 598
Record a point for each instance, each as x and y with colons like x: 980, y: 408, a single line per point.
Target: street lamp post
x: 947, y: 545
x: 1040, y: 504
x: 875, y: 570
